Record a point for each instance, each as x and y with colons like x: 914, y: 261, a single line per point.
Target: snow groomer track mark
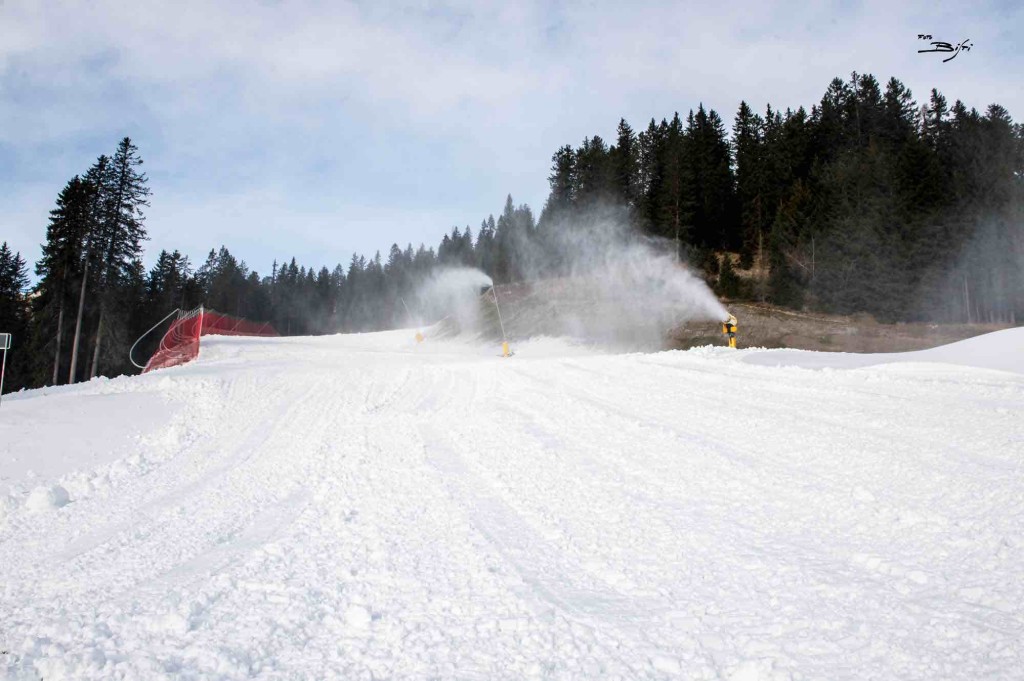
x: 368, y: 507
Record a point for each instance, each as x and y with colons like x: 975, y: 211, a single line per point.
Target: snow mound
x: 357, y: 616
x: 1000, y: 350
x: 44, y: 499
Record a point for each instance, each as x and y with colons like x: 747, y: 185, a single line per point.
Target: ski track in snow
x: 362, y: 507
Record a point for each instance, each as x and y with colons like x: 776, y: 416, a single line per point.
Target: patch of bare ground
x: 763, y: 325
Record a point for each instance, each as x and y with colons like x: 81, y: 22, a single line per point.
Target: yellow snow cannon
x: 419, y: 335
x: 505, y: 351
x: 729, y: 329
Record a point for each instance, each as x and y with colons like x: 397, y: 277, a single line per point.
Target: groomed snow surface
x: 364, y: 507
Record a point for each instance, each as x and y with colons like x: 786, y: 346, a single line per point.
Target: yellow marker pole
x: 419, y: 336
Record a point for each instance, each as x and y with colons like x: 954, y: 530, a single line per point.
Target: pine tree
x: 859, y: 268
x: 747, y: 148
x: 485, y: 244
x: 792, y: 252
x: 832, y: 120
x: 935, y: 120
x: 124, y: 191
x: 14, y: 314
x: 167, y: 285
x: 594, y: 173
x: 58, y: 268
x: 625, y: 166
x: 94, y: 214
x: 868, y: 109
x: 675, y: 190
x: 899, y: 111
x: 728, y: 282
x: 715, y: 223
x: 505, y: 242
x: 650, y: 162
x: 563, y: 182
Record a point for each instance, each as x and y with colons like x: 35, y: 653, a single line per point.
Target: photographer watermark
x: 944, y: 47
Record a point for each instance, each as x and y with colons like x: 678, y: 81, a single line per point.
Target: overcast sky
x: 316, y: 129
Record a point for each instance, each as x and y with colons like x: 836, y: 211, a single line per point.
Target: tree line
x: 78, y: 315
x: 867, y: 203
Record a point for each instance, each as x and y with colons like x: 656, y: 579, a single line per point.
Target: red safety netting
x: 181, y: 342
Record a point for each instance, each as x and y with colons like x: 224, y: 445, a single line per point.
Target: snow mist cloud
x: 628, y: 288
x: 453, y: 294
x: 590, y: 278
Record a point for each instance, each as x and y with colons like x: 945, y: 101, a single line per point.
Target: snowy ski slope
x: 363, y: 507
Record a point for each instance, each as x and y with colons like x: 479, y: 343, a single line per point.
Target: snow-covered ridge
x: 1001, y: 350
x: 365, y: 506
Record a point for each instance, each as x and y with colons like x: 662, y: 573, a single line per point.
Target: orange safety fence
x: 181, y: 342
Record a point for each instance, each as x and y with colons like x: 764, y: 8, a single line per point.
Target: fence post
x: 202, y: 320
x: 5, y: 343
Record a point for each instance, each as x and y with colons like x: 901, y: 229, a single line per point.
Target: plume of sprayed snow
x: 634, y: 287
x: 641, y: 271
x: 593, y: 279
x: 453, y: 293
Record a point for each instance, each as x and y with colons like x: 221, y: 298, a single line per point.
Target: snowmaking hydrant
x: 729, y: 329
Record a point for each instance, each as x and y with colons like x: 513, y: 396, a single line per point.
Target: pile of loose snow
x: 47, y: 498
